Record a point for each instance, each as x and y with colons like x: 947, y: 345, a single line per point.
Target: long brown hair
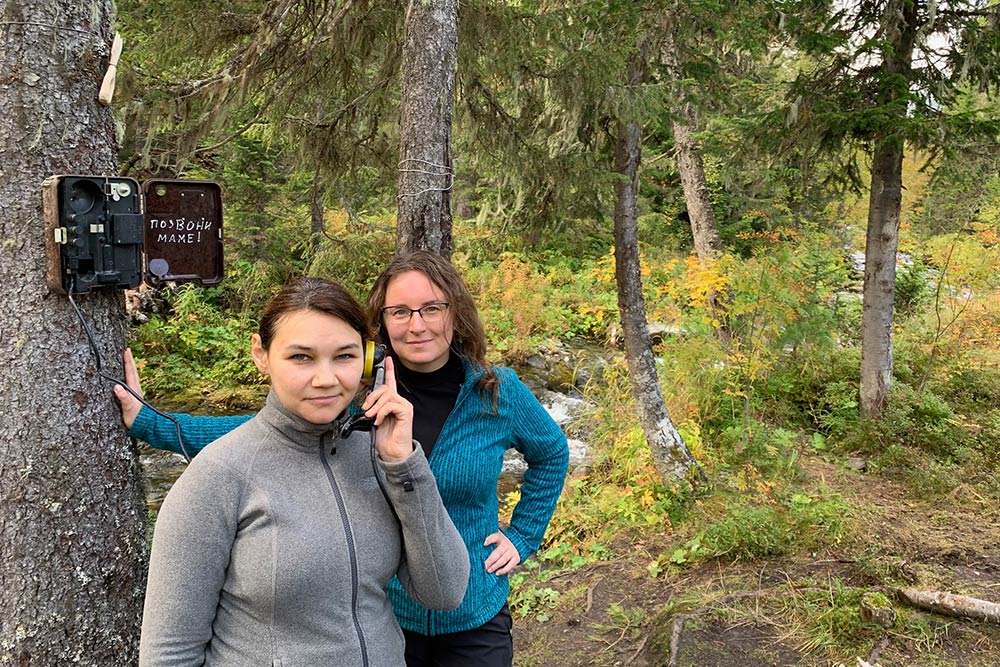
x: 470, y: 337
x: 319, y: 294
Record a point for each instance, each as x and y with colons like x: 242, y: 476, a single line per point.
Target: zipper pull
x: 322, y: 442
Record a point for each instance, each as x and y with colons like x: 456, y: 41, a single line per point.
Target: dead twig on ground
x: 636, y: 653
x: 877, y: 650
x: 590, y: 595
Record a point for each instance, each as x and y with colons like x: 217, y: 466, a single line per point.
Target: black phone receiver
x: 374, y: 363
x: 374, y: 368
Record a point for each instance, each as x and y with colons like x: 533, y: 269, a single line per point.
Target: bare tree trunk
x: 882, y: 235
x: 670, y: 454
x: 882, y: 240
x: 691, y: 167
x: 425, y: 166
x: 72, y: 512
x: 707, y: 244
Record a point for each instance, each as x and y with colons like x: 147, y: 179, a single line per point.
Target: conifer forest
x: 748, y: 250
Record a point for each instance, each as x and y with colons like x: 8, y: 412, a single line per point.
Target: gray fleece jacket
x: 275, y: 546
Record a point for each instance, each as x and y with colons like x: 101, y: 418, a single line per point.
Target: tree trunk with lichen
x: 881, y: 244
x: 425, y: 168
x: 72, y: 512
x: 690, y: 166
x: 670, y: 454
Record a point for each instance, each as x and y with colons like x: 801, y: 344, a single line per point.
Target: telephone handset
x: 374, y: 368
x: 374, y: 363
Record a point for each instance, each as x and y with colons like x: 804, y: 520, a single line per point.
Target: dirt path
x: 802, y: 610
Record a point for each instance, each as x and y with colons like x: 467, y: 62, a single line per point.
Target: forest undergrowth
x: 811, y: 517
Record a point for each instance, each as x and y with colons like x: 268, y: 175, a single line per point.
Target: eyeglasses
x: 432, y: 312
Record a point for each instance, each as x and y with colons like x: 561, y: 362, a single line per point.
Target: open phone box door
x: 183, y: 232
x: 104, y: 231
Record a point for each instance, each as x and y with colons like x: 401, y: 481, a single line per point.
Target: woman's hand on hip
x: 505, y: 557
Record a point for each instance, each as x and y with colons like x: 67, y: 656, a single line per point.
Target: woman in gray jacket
x: 275, y: 548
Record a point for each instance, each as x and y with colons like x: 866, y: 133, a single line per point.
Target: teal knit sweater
x: 466, y: 461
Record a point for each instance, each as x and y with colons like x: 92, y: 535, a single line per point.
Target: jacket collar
x: 297, y: 432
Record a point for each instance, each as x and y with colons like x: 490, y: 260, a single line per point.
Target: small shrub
x: 913, y: 287
x: 751, y: 531
x: 913, y: 421
x: 836, y: 410
x: 987, y: 439
x: 529, y: 598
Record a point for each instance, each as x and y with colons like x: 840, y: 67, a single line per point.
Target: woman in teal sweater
x: 467, y: 413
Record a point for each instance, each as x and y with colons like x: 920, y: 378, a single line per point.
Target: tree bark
x: 72, y: 512
x: 882, y: 235
x: 690, y: 166
x: 707, y: 243
x: 425, y: 167
x: 950, y: 604
x: 881, y: 242
x: 670, y: 454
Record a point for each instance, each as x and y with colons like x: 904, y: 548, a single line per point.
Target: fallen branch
x: 949, y: 604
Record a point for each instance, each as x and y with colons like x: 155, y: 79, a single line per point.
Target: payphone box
x: 107, y: 231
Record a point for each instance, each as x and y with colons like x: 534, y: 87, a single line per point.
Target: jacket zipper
x: 351, y: 552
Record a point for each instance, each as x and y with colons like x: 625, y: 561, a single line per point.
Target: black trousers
x: 489, y: 645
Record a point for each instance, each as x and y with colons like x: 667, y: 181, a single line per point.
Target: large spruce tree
x: 72, y: 513
x: 426, y: 174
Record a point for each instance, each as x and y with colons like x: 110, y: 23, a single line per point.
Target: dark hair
x: 470, y: 337
x: 319, y: 294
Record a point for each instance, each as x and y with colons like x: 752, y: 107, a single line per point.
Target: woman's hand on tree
x: 130, y: 404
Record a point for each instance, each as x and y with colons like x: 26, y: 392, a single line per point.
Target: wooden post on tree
x: 425, y: 167
x: 72, y: 511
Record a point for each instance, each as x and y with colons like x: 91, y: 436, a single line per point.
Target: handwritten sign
x: 182, y: 230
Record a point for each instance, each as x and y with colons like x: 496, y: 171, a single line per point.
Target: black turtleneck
x: 433, y: 396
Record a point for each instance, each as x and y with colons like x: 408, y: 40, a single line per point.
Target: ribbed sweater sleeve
x: 197, y: 432
x: 544, y: 447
